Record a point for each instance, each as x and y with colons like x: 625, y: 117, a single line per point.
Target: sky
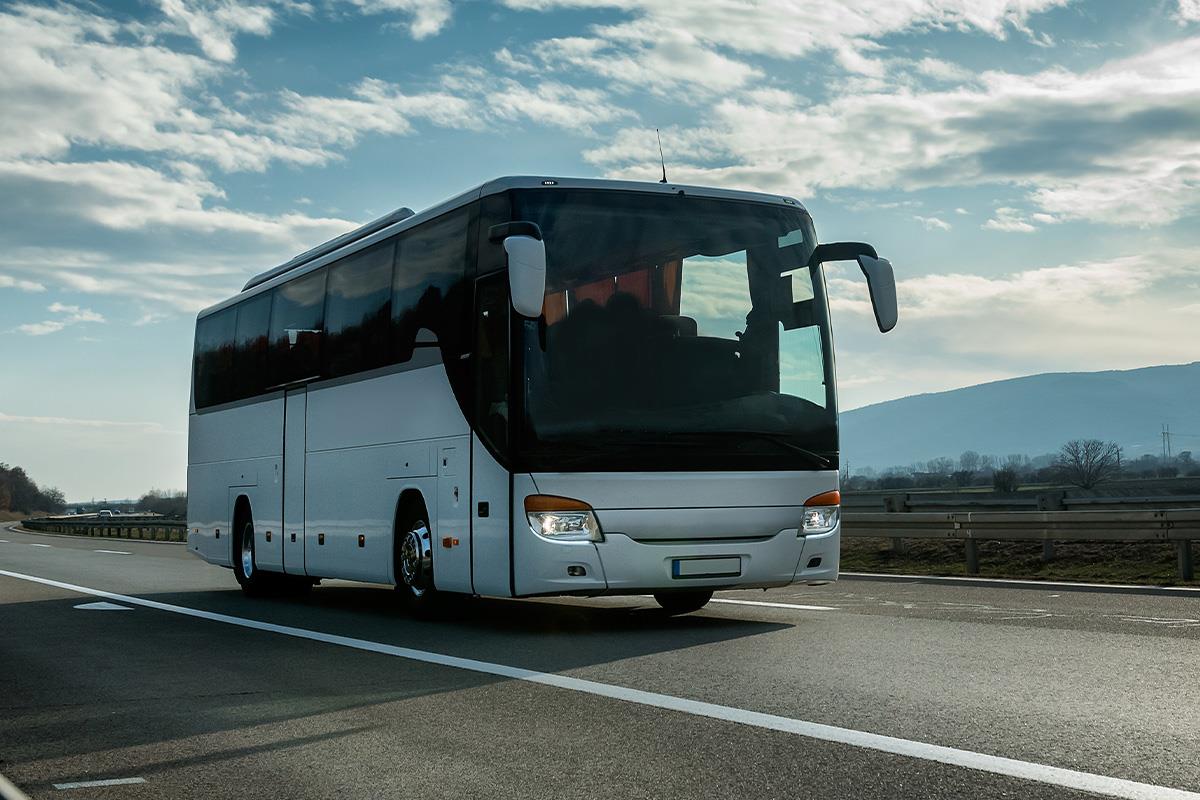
x: 1030, y: 167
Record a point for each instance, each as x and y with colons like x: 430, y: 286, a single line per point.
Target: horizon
x: 1028, y: 166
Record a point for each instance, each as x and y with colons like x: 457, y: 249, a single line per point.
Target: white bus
x: 540, y: 387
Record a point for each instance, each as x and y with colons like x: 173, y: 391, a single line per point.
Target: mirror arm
x: 500, y: 232
x: 840, y: 251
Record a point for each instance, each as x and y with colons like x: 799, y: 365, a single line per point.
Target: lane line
x: 108, y: 782
x: 33, y: 544
x: 115, y: 552
x: 969, y: 759
x: 767, y: 604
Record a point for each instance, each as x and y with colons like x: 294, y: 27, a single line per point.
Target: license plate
x: 706, y: 567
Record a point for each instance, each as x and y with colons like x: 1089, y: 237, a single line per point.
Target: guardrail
x: 149, y: 528
x: 1059, y: 500
x: 1178, y: 525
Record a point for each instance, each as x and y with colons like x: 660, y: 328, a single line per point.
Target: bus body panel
x: 490, y: 530
x: 368, y: 441
x: 294, y: 424
x: 540, y: 565
x: 236, y: 451
x: 650, y: 520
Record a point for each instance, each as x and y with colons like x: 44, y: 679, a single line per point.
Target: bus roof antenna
x: 662, y: 160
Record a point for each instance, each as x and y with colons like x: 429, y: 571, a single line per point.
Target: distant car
x: 106, y: 513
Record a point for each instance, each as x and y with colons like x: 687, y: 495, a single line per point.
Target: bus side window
x: 297, y: 316
x: 250, y: 355
x: 214, y: 358
x: 358, y: 312
x: 430, y: 259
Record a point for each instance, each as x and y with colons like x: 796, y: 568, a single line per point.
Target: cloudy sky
x: 1031, y: 167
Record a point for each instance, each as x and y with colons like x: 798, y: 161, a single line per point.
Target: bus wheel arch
x: 250, y: 577
x: 412, y: 549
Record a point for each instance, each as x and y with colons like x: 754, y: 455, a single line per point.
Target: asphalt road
x: 862, y: 689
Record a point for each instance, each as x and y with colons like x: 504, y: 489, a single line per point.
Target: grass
x: 16, y: 516
x: 1150, y: 563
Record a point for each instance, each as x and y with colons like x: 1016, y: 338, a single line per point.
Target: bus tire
x: 675, y: 603
x: 412, y: 554
x: 254, y: 582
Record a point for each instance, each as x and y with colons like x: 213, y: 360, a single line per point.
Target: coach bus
x: 544, y: 386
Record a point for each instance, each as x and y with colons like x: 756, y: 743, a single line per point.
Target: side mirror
x: 881, y: 280
x: 526, y: 264
x: 526, y: 274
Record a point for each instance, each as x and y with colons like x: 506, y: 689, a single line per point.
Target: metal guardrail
x: 1178, y: 525
x: 149, y: 528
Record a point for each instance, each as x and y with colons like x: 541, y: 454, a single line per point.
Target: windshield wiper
x: 813, y: 457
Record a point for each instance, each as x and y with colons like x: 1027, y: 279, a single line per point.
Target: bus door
x: 294, y: 425
x: 490, y: 487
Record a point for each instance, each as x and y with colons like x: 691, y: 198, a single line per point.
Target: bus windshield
x: 677, y: 332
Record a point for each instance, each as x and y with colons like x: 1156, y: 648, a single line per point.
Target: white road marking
x: 3, y: 541
x: 108, y: 782
x: 1027, y: 770
x: 101, y: 605
x: 771, y: 605
x: 31, y: 544
x: 115, y: 552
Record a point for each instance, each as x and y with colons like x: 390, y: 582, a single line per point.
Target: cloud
x: 214, y: 23
x: 73, y: 316
x: 665, y: 45
x: 956, y: 328
x: 1118, y: 144
x: 9, y: 282
x: 142, y: 427
x: 1189, y: 11
x: 933, y: 223
x: 429, y: 17
x: 142, y: 233
x: 1009, y: 220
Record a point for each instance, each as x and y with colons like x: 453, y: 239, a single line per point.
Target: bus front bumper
x: 636, y: 567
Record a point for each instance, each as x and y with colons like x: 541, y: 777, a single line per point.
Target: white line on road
x: 115, y: 552
x: 1027, y: 770
x: 3, y: 541
x: 32, y: 544
x: 108, y: 782
x: 771, y: 605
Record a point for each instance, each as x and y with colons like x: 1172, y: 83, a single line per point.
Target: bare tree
x: 968, y: 461
x: 1088, y: 462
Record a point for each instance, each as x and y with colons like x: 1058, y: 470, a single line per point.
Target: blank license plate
x: 706, y: 567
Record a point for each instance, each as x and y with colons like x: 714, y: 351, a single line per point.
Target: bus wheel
x: 683, y: 602
x: 414, y: 562
x: 253, y: 581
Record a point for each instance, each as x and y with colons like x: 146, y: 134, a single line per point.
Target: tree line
x: 1085, y: 463
x: 19, y: 493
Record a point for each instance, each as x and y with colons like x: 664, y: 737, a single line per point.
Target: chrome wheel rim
x: 416, y: 561
x: 248, y: 551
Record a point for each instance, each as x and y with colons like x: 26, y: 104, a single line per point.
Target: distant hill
x: 1031, y: 415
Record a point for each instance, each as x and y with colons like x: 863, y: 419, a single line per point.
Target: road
x: 862, y: 689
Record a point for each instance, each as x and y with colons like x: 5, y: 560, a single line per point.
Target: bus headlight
x: 562, y: 519
x: 821, y: 513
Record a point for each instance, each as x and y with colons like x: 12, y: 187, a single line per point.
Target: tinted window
x: 250, y: 357
x: 213, y: 365
x: 358, y: 312
x: 296, y: 326
x: 429, y: 261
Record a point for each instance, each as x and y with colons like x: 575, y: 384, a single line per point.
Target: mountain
x: 1030, y: 415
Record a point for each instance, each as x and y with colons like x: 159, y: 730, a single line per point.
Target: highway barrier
x: 149, y: 528
x: 1178, y: 525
